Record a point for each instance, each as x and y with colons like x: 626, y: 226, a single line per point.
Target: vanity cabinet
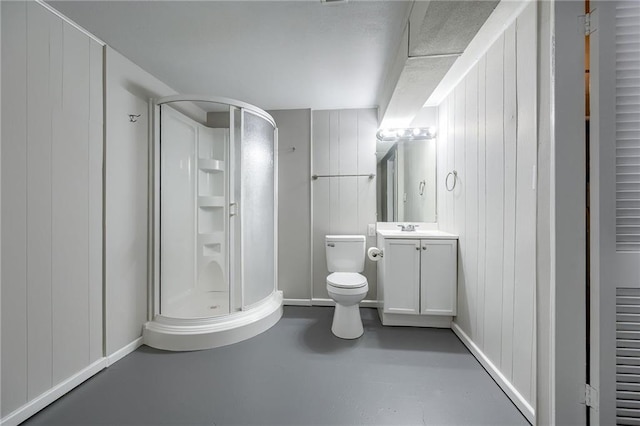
x: 438, y: 273
x: 417, y: 280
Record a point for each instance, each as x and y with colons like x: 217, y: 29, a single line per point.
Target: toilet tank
x: 345, y: 253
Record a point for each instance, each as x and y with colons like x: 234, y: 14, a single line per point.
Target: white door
x: 615, y: 211
x: 438, y: 268
x: 402, y: 277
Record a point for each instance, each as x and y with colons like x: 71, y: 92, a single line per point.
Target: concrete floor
x: 296, y: 373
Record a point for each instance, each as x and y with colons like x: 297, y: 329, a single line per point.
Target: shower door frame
x: 154, y: 279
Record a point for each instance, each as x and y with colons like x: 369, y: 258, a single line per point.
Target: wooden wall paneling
x: 451, y: 113
x: 346, y: 205
x: 321, y: 227
x: 320, y: 160
x: 334, y: 142
x: 487, y: 126
x: 441, y: 165
x: 494, y: 202
x: 126, y: 191
x: 343, y: 144
x: 348, y: 142
x: 459, y: 194
x: 367, y: 215
x: 14, y: 206
x: 334, y: 212
x: 38, y: 201
x: 482, y: 201
x: 525, y: 243
x: 509, y: 226
x: 367, y: 125
x: 128, y: 88
x: 95, y: 169
x: 70, y: 215
x: 320, y: 150
x: 470, y: 261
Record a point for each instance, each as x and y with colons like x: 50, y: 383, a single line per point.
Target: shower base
x: 190, y: 334
x: 198, y: 304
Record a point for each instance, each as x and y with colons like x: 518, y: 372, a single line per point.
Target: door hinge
x: 590, y: 396
x: 587, y: 23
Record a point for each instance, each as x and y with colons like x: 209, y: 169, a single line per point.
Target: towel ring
x: 455, y: 179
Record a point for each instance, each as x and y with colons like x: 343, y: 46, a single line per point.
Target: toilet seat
x: 346, y: 280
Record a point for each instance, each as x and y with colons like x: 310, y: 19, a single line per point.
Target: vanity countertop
x: 425, y: 233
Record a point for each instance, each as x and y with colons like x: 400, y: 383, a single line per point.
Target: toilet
x: 346, y: 286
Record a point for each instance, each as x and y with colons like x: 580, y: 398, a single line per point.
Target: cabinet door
x: 438, y: 271
x: 402, y: 277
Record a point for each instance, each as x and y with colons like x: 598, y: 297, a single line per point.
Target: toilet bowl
x: 345, y: 285
x: 347, y: 289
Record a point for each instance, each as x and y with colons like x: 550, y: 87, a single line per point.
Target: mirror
x: 406, y: 173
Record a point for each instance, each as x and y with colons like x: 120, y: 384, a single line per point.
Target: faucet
x: 408, y: 227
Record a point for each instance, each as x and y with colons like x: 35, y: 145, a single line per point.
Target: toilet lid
x: 346, y: 280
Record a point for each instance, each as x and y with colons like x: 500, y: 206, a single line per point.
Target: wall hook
x: 133, y: 118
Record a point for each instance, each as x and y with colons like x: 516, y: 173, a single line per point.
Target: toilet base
x: 347, y: 323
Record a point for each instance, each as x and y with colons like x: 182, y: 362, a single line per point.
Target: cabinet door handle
x: 418, y: 248
x: 424, y: 247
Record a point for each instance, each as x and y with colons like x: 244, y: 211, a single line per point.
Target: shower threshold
x: 189, y: 334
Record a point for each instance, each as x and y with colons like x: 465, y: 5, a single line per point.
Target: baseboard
x: 124, y: 351
x: 316, y: 301
x: 32, y: 407
x: 404, y: 320
x: 296, y: 302
x: 518, y: 400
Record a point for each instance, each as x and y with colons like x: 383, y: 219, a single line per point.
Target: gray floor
x: 296, y: 373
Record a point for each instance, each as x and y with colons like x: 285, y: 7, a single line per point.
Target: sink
x: 417, y: 234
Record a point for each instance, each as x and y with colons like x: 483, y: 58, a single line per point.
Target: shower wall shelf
x: 209, y: 165
x: 211, y: 201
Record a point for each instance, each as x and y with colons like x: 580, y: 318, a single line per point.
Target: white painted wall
x: 487, y: 133
x: 52, y: 156
x: 343, y: 143
x: 128, y: 89
x: 294, y: 203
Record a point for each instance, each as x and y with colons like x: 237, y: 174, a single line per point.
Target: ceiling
x: 274, y: 54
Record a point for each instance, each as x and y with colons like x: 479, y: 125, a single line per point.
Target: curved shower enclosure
x: 214, y: 223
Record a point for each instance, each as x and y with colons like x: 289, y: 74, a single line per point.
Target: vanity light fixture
x: 405, y: 134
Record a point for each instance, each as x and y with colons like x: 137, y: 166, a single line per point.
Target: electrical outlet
x: 371, y: 229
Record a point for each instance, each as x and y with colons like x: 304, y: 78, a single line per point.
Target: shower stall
x: 213, y: 214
